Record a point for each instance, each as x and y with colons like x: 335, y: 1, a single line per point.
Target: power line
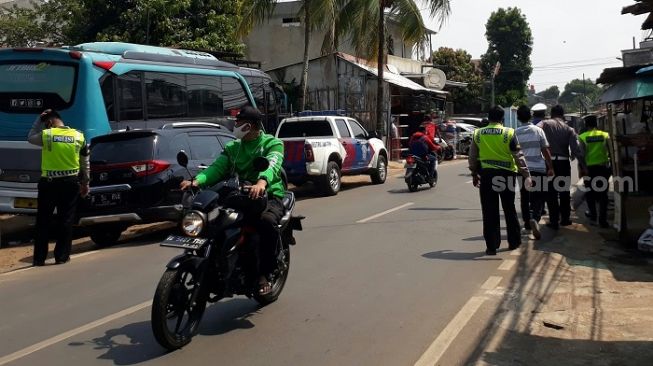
x: 575, y: 62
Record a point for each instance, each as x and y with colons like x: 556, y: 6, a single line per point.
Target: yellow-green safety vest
x: 60, y: 154
x: 596, y: 147
x: 493, y: 143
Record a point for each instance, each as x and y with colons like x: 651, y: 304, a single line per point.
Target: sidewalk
x: 577, y: 298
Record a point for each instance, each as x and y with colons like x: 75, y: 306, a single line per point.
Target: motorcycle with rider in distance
x: 417, y: 173
x: 219, y: 258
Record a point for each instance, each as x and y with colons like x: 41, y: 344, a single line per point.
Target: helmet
x: 538, y: 107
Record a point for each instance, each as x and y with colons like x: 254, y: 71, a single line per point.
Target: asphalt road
x: 365, y: 288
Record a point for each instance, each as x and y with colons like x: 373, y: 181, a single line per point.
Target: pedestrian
x: 64, y: 176
x: 431, y: 129
x: 594, y: 144
x: 495, y: 159
x: 535, y: 148
x: 564, y: 146
x: 539, y: 112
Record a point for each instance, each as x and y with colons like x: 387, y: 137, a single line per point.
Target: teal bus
x: 102, y: 87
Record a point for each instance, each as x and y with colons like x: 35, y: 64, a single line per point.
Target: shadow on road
x: 457, y: 256
x: 128, y: 345
x: 226, y: 316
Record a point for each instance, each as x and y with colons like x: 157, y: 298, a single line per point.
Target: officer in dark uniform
x: 494, y: 160
x: 64, y: 176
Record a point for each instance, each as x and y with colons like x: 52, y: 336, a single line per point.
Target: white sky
x: 570, y: 37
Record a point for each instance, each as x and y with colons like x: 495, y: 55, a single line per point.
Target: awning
x: 635, y: 88
x: 389, y: 76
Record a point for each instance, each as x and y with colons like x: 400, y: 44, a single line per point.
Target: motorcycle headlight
x: 192, y: 224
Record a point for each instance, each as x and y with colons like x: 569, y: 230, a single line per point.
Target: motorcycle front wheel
x: 177, y: 308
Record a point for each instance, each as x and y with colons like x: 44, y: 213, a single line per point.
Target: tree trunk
x: 307, y: 41
x: 380, y: 122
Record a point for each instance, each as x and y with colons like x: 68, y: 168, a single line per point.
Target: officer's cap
x: 539, y: 107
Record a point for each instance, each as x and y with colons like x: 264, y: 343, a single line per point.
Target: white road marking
x: 516, y: 252
x: 507, y: 264
x: 58, y: 338
x: 450, y: 332
x: 492, y: 283
x: 471, y: 181
x: 384, y: 213
x: 32, y: 267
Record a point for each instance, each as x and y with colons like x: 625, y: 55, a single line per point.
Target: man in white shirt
x: 535, y: 148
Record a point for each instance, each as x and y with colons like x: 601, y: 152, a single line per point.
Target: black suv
x: 135, y: 176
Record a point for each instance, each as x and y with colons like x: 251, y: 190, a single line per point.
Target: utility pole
x: 380, y: 123
x: 584, y: 107
x: 495, y: 71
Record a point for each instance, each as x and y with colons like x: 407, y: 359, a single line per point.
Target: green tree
x: 199, y: 24
x: 551, y: 93
x: 459, y: 67
x: 580, y: 95
x: 510, y: 42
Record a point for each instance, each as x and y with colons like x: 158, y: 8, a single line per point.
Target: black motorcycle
x: 417, y: 173
x: 219, y: 258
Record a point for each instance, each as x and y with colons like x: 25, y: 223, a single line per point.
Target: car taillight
x: 143, y: 168
x: 308, y: 153
x: 410, y: 159
x: 106, y: 65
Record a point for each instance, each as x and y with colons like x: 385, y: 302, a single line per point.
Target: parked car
x: 323, y: 148
x: 474, y: 121
x: 135, y: 175
x: 465, y: 135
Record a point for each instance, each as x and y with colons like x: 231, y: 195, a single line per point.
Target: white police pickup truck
x: 323, y: 148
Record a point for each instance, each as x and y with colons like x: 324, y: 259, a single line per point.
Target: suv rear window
x: 122, y: 150
x: 305, y: 129
x: 32, y: 86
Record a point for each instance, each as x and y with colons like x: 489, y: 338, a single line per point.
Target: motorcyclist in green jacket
x: 238, y: 156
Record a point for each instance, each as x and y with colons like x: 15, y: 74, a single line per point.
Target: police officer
x: 595, y: 144
x: 539, y: 113
x: 64, y: 176
x: 494, y: 160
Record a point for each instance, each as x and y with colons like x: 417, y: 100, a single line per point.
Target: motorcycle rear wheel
x: 172, y: 307
x: 281, y: 275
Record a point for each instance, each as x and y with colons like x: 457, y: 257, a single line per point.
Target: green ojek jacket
x: 239, y: 155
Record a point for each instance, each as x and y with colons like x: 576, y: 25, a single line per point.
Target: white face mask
x: 241, y: 131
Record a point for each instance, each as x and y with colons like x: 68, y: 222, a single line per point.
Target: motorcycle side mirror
x: 260, y: 163
x: 182, y: 158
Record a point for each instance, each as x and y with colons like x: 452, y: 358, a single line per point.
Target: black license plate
x: 106, y: 199
x: 184, y: 242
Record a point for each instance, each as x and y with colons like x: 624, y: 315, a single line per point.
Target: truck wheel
x: 330, y: 183
x: 381, y: 172
x: 104, y: 236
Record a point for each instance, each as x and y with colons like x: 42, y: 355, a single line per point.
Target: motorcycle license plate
x: 408, y: 166
x: 183, y: 242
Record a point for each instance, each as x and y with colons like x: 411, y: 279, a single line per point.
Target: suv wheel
x: 381, y: 172
x: 330, y: 183
x: 104, y: 236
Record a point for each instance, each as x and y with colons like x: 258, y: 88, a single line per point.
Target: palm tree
x: 316, y: 13
x: 370, y: 42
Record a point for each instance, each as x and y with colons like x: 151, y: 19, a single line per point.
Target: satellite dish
x: 435, y: 79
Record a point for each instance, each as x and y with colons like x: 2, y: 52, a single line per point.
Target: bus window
x: 29, y: 87
x: 166, y: 95
x: 234, y: 96
x: 131, y: 96
x: 108, y: 94
x: 204, y: 96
